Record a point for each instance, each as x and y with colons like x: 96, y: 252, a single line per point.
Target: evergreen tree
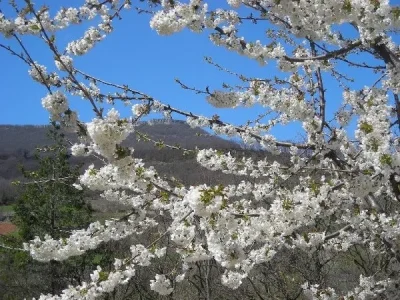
x: 49, y: 203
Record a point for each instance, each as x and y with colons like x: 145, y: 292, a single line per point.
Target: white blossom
x: 56, y: 104
x: 161, y: 285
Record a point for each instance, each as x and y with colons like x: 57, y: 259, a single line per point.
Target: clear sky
x: 135, y: 55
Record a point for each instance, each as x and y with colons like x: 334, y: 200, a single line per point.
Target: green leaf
x: 396, y: 12
x: 315, y: 187
x: 287, y: 204
x: 366, y: 128
x: 164, y: 197
x: 347, y: 6
x: 97, y: 259
x: 34, y: 27
x: 386, y: 159
x: 103, y: 276
x: 139, y: 171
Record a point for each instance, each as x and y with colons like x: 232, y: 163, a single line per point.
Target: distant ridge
x: 162, y: 121
x: 25, y: 125
x: 28, y: 137
x: 19, y: 142
x: 152, y: 121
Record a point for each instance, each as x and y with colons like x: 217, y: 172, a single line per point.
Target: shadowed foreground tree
x: 48, y: 205
x: 340, y: 210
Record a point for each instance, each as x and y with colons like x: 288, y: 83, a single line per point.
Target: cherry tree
x: 346, y: 171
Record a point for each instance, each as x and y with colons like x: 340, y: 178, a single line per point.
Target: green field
x: 6, y: 208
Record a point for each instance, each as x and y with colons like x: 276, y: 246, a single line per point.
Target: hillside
x: 17, y: 139
x: 18, y: 144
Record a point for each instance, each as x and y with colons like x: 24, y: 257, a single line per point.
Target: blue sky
x: 135, y: 55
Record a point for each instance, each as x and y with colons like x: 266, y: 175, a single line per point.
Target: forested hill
x: 19, y: 138
x: 18, y: 144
